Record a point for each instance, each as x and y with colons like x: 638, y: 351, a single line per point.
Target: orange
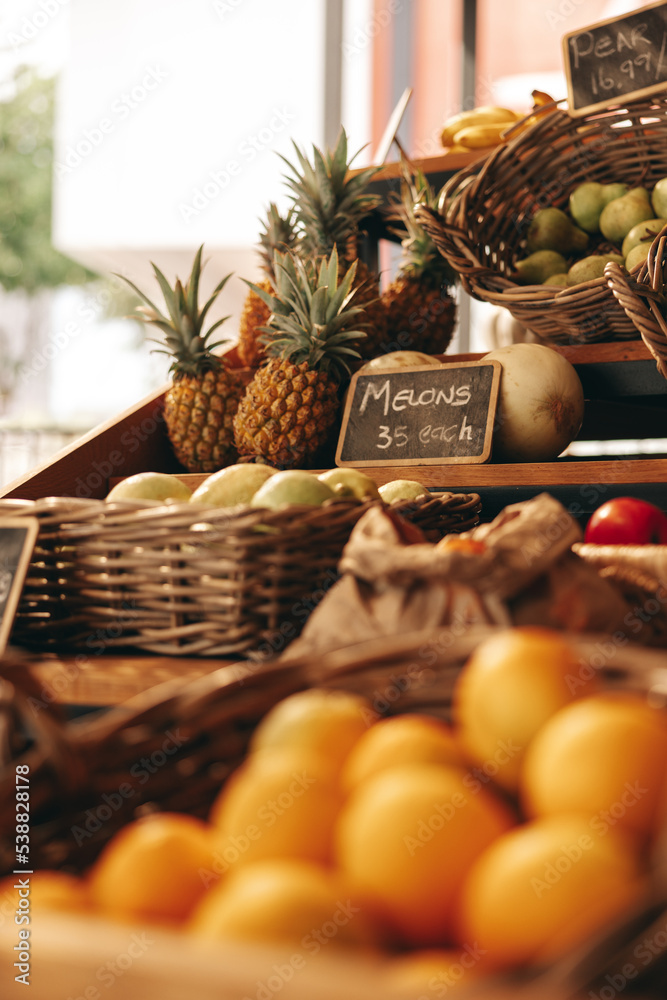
x: 278, y: 804
x: 151, y: 868
x: 604, y: 757
x: 401, y: 739
x: 283, y: 900
x: 406, y: 838
x: 434, y: 972
x: 511, y: 684
x: 545, y: 888
x: 317, y: 720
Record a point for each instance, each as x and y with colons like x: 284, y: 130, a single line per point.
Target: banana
x: 482, y: 136
x: 540, y: 98
x: 482, y: 115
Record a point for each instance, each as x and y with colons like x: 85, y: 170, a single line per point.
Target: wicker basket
x: 75, y: 769
x: 168, y: 580
x: 487, y: 207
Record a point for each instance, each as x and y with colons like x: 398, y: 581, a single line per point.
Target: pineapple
x: 205, y: 391
x: 330, y: 203
x: 292, y: 402
x: 278, y: 234
x: 420, y: 309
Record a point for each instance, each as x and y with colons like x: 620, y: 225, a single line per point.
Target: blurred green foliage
x: 28, y: 260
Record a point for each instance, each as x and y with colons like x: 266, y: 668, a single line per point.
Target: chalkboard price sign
x: 430, y: 415
x: 616, y: 60
x: 17, y: 541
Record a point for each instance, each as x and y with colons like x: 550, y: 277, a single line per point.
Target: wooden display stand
x: 626, y: 399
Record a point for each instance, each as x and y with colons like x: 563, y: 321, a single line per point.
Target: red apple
x: 627, y: 521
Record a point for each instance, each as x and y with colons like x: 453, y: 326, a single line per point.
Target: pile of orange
x: 499, y: 841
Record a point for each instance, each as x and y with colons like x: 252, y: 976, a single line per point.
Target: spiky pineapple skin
x: 368, y: 297
x: 286, y: 414
x: 420, y: 315
x: 254, y: 315
x: 199, y: 412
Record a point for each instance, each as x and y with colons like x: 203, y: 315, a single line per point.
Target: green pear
x: 538, y: 266
x: 292, y: 486
x: 556, y: 279
x: 553, y: 229
x: 350, y: 483
x: 233, y: 485
x: 159, y: 486
x: 590, y: 268
x: 637, y: 255
x: 621, y: 214
x: 643, y: 232
x: 402, y: 489
x: 659, y: 197
x: 588, y: 199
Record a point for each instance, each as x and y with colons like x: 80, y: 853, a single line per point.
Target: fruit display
x: 419, y: 306
x: 500, y: 839
x: 330, y: 203
x: 205, y: 390
x: 626, y: 521
x: 487, y: 125
x: 540, y: 403
x: 277, y: 234
x: 601, y: 222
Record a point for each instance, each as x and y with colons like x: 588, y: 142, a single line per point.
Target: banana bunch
x: 478, y: 128
x: 486, y: 125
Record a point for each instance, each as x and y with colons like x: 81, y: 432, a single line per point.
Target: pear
x: 621, y: 214
x: 553, y: 229
x: 659, y: 197
x: 637, y: 255
x: 538, y: 266
x: 350, y: 483
x: 643, y: 232
x: 590, y: 268
x: 556, y: 279
x: 588, y: 199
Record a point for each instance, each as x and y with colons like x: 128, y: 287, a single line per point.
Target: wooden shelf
x: 626, y: 398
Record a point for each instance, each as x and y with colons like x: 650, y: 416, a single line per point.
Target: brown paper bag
x: 518, y: 569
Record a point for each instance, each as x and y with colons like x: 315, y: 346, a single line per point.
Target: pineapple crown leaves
x: 421, y: 257
x: 311, y: 316
x: 184, y: 338
x: 278, y: 233
x: 328, y: 200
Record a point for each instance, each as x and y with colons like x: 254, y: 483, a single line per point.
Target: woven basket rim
x: 479, y: 233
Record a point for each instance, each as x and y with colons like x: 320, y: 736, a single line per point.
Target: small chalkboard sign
x: 17, y: 541
x: 427, y: 415
x: 616, y: 60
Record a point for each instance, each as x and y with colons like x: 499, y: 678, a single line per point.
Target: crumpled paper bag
x: 519, y: 569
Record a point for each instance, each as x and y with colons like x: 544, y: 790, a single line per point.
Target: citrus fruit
x: 400, y: 739
x: 406, y: 838
x: 278, y: 804
x: 511, y: 684
x: 233, y: 485
x: 283, y: 900
x: 544, y: 888
x: 151, y: 868
x: 319, y: 721
x: 150, y: 486
x: 604, y: 757
x: 292, y: 486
